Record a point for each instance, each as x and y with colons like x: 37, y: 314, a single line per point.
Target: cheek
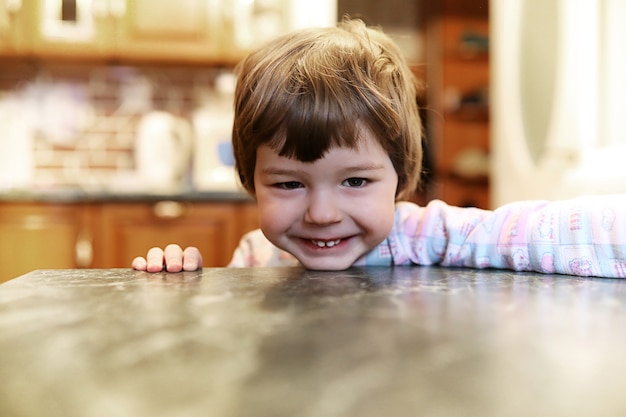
x: 386, y: 215
x: 378, y: 217
x: 274, y: 216
x: 268, y: 220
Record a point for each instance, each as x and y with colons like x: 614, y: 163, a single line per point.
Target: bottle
x: 213, y: 161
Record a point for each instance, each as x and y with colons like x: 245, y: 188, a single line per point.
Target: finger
x: 173, y: 256
x: 192, y: 259
x: 154, y: 260
x: 139, y: 264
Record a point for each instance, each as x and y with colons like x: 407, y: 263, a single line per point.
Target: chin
x: 332, y: 265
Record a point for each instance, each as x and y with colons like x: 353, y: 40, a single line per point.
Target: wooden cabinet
x: 35, y: 236
x: 130, y: 229
x: 458, y: 78
x: 73, y: 29
x: 185, y: 31
x: 52, y: 29
x: 110, y: 235
x: 13, y: 28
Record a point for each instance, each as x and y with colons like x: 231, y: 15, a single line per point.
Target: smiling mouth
x: 325, y: 243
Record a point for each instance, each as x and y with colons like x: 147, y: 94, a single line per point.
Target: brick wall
x: 85, y: 117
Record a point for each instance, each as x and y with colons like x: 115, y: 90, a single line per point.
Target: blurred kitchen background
x: 558, y: 84
x: 115, y: 115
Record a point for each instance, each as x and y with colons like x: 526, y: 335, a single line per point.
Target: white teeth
x: 326, y: 244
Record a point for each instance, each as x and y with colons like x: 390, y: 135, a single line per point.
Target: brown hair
x: 309, y: 91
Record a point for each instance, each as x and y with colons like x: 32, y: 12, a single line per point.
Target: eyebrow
x: 354, y: 168
x: 363, y: 167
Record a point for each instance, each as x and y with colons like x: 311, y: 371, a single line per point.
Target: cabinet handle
x: 84, y: 251
x: 169, y: 209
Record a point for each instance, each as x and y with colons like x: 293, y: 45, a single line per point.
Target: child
x: 327, y: 138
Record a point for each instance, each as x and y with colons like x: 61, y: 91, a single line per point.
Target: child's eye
x: 355, y: 182
x: 289, y: 185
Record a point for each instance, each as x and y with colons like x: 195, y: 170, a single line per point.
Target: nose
x: 323, y: 209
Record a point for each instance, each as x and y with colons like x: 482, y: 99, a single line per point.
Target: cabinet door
x: 130, y: 229
x: 43, y: 236
x: 462, y: 192
x: 458, y: 80
x: 184, y: 30
x: 70, y: 28
x: 13, y: 27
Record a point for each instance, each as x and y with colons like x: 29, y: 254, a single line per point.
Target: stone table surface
x: 384, y: 342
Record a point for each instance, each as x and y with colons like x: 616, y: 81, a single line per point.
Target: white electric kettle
x: 163, y: 150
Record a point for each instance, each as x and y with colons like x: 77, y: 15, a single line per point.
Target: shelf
x: 478, y: 113
x: 458, y: 55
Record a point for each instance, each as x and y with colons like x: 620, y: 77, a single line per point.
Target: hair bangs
x: 321, y: 108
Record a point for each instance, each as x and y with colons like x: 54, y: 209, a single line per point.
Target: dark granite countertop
x: 288, y: 342
x: 78, y: 195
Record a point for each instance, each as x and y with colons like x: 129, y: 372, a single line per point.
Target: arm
x: 170, y: 259
x: 255, y: 250
x: 585, y: 236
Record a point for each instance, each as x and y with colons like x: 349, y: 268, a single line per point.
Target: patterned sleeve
x: 585, y: 236
x: 255, y: 250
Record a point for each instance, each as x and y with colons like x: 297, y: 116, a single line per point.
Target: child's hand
x: 172, y: 259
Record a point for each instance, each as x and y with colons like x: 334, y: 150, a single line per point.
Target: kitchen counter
x: 78, y: 195
x: 288, y: 342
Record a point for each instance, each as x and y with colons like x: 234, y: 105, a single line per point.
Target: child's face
x: 330, y: 212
